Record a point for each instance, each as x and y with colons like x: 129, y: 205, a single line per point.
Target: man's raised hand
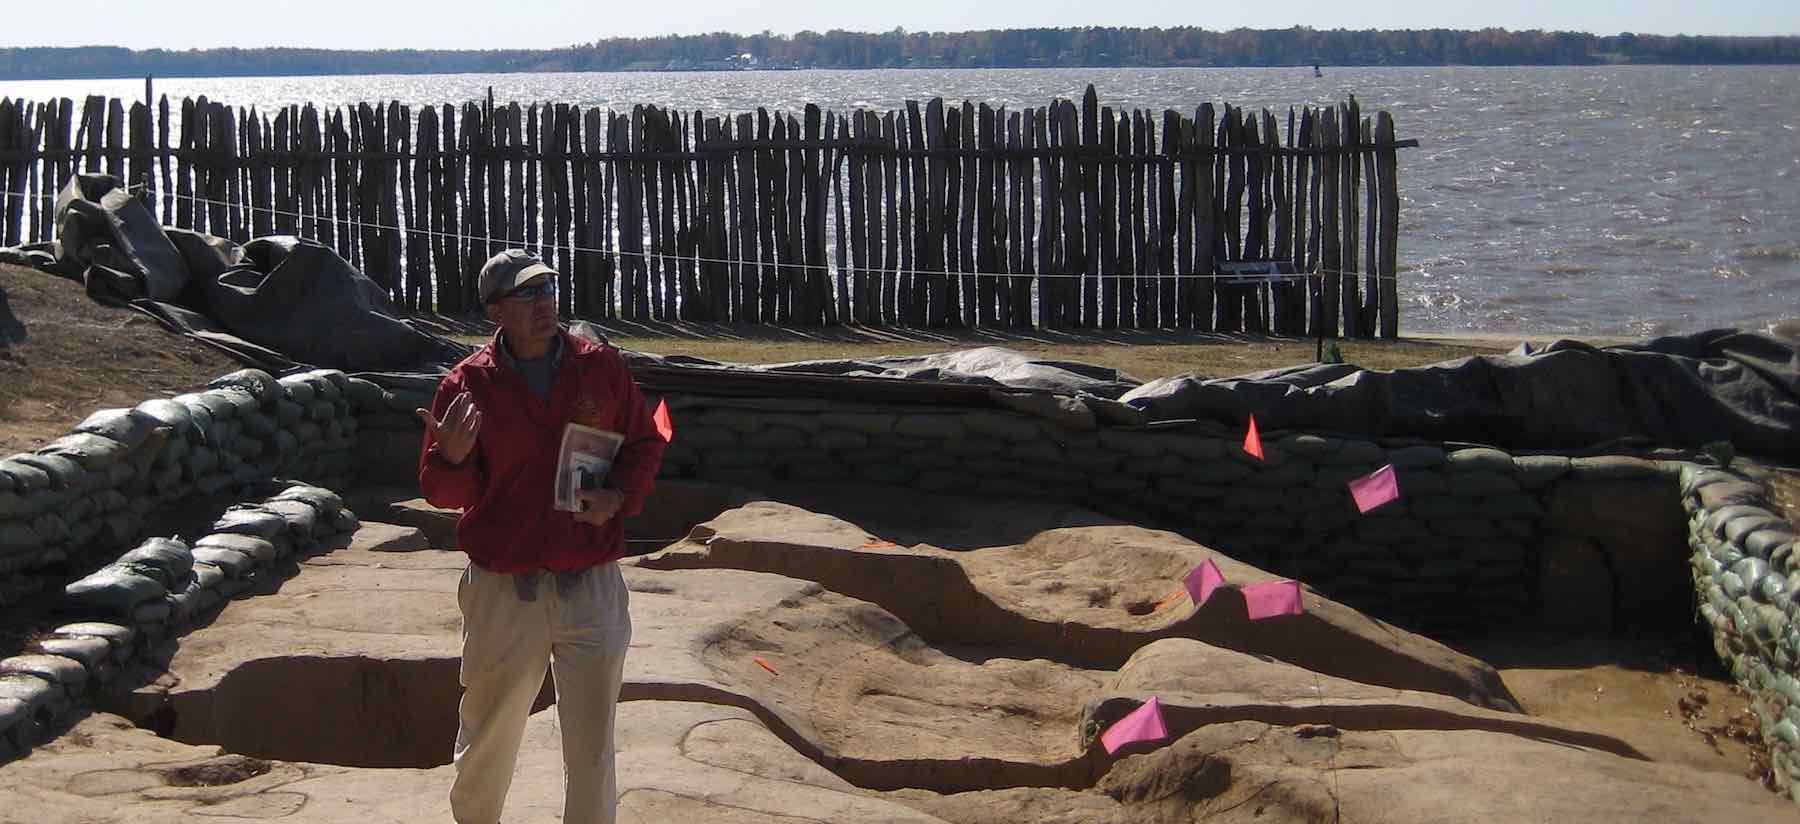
x: 455, y: 434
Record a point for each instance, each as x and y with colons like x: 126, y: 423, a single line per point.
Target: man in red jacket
x: 541, y: 589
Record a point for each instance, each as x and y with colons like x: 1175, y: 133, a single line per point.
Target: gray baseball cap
x: 505, y: 271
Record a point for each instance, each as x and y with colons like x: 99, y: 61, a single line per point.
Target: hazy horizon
x: 467, y: 25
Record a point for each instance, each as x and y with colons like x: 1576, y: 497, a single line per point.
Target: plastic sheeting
x: 1681, y: 391
x: 277, y: 303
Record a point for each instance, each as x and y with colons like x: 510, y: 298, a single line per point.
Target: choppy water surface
x: 1603, y: 201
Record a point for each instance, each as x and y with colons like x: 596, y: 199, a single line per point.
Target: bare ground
x: 76, y: 356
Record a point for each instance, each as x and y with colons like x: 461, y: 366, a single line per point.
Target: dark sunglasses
x: 526, y: 294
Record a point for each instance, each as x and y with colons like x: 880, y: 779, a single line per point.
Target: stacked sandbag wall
x: 148, y: 593
x: 389, y: 433
x: 1462, y: 547
x: 89, y: 493
x: 1746, y: 579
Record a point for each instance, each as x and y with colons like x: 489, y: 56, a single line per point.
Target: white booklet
x: 583, y: 460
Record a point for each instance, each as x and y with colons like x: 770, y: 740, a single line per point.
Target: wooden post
x: 856, y: 307
x: 746, y: 272
x: 1050, y: 215
x: 1207, y: 217
x: 1021, y: 135
x: 1387, y: 165
x: 962, y: 296
x: 1106, y: 230
x: 954, y: 247
x: 1351, y: 170
x: 1330, y: 230
x: 990, y: 186
x: 1075, y: 249
x: 938, y: 177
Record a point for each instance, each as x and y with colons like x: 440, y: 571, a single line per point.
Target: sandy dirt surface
x: 63, y: 356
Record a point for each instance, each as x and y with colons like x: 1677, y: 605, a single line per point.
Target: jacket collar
x: 492, y: 357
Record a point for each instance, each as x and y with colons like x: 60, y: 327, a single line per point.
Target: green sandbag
x: 213, y: 484
x: 216, y: 405
x: 113, y: 591
x: 24, y: 477
x: 258, y: 383
x: 242, y: 401
x: 121, y: 425
x: 203, y: 419
x: 202, y: 462
x: 322, y: 500
x: 171, y: 414
x: 365, y: 395
x: 299, y: 390
x: 173, y: 452
x: 321, y: 411
x: 261, y: 550
x: 301, y: 518
x: 248, y: 521
x: 64, y: 472
x: 330, y: 382
x: 51, y: 528
x: 259, y: 424
x: 233, y: 563
x: 166, y: 559
x: 1751, y: 572
x: 288, y: 413
x: 17, y: 537
x: 94, y: 452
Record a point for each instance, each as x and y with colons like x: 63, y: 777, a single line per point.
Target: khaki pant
x: 514, y: 627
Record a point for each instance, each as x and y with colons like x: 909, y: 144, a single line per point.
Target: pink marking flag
x: 1202, y: 581
x: 1253, y: 441
x: 1143, y: 724
x: 1376, y: 488
x: 664, y: 426
x: 1271, y: 599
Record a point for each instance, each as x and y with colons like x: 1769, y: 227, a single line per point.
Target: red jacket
x: 506, y: 487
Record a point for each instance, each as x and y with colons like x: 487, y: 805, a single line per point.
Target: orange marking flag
x: 664, y: 426
x: 1253, y: 441
x: 765, y: 665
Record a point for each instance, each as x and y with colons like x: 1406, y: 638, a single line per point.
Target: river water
x: 1632, y: 200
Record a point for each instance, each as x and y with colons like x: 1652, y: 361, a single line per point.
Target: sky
x: 487, y: 24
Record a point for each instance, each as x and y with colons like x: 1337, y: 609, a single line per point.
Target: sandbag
x: 113, y: 591
x: 247, y: 521
x: 259, y: 549
x: 322, y: 500
x: 23, y: 477
x: 93, y: 452
x: 301, y: 518
x: 258, y: 383
x: 165, y: 559
x: 299, y: 390
x: 122, y: 425
x: 233, y: 563
x: 171, y: 414
x: 64, y: 472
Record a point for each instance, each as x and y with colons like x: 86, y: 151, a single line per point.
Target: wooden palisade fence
x: 1070, y: 215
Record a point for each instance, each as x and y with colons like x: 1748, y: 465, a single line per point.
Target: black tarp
x: 275, y: 302
x: 282, y: 302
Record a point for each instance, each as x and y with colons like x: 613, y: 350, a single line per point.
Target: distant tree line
x: 1072, y: 47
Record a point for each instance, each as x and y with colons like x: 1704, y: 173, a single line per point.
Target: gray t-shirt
x: 539, y: 374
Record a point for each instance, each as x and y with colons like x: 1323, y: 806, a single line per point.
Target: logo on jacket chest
x: 587, y: 412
